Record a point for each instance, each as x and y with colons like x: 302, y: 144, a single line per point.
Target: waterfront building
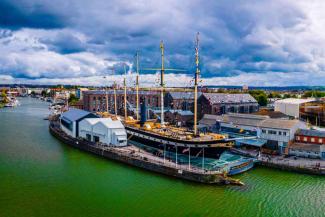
x: 310, y: 136
x: 223, y: 103
x: 95, y: 100
x: 103, y: 130
x: 69, y: 121
x: 313, y: 112
x: 307, y: 150
x: 273, y: 134
x: 290, y: 106
x: 308, y: 143
x: 279, y: 133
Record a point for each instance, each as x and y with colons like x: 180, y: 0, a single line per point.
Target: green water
x: 40, y: 176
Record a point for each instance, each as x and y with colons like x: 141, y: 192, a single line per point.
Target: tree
x: 4, y: 96
x: 73, y: 98
x: 262, y: 100
x: 260, y: 96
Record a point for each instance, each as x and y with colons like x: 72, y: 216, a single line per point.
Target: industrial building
x: 290, y: 106
x: 95, y: 101
x: 180, y: 100
x: 309, y: 144
x: 313, y: 112
x: 103, y: 130
x: 279, y: 133
x: 69, y: 121
x: 273, y: 134
x: 223, y: 103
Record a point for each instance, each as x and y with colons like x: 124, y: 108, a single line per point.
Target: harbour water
x: 39, y: 176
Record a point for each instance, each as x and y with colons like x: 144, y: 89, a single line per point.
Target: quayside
x: 144, y: 160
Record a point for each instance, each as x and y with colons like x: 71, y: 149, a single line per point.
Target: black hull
x: 209, y: 152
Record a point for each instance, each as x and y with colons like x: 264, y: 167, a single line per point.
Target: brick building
x: 223, y: 103
x: 95, y: 101
x: 310, y: 136
x: 180, y: 100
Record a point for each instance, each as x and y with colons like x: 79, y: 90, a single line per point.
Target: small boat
x: 236, y: 164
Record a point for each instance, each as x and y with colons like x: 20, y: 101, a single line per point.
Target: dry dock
x: 131, y: 156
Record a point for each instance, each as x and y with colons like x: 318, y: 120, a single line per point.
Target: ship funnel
x: 143, y: 110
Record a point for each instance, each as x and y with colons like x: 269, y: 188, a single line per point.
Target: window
x: 88, y: 137
x: 280, y: 133
x: 96, y: 139
x: 298, y: 138
x: 312, y: 139
x: 305, y: 139
x: 320, y: 140
x: 284, y: 133
x: 273, y: 132
x: 263, y: 131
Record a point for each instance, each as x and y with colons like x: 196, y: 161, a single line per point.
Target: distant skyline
x: 243, y: 42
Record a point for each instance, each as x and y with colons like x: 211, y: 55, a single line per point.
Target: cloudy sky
x: 242, y: 42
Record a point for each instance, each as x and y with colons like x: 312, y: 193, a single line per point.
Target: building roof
x: 271, y: 114
x: 74, y: 114
x: 210, y: 120
x: 216, y: 98
x: 315, y: 133
x: 183, y: 95
x: 243, y: 119
x: 305, y: 147
x: 109, y: 123
x: 278, y: 123
x: 294, y: 101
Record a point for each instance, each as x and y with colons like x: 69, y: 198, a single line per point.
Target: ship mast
x: 137, y: 87
x: 125, y: 108
x: 162, y: 84
x: 115, y: 106
x: 197, y: 74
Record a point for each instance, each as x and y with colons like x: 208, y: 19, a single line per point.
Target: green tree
x: 260, y: 96
x: 73, y: 98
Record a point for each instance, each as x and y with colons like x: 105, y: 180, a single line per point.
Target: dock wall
x: 207, y: 178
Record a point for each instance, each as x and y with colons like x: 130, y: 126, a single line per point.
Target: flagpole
x: 164, y: 153
x: 176, y: 156
x: 203, y: 160
x: 189, y: 158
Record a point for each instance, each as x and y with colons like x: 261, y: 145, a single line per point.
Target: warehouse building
x: 69, y: 121
x: 290, y: 106
x: 103, y: 130
x: 223, y: 103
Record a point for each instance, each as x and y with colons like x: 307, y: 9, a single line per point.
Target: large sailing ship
x: 163, y: 136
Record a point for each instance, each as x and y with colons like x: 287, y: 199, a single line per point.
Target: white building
x: 103, y: 130
x: 279, y: 132
x: 290, y: 106
x: 69, y: 121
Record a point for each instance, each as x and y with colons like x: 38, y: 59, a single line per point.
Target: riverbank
x: 144, y: 160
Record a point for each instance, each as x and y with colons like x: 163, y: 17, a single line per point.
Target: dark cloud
x: 236, y: 37
x: 16, y: 14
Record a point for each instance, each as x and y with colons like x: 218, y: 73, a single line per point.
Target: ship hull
x: 211, y: 148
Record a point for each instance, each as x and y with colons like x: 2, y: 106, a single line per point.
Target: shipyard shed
x: 69, y: 121
x: 86, y: 128
x: 290, y: 106
x: 103, y: 130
